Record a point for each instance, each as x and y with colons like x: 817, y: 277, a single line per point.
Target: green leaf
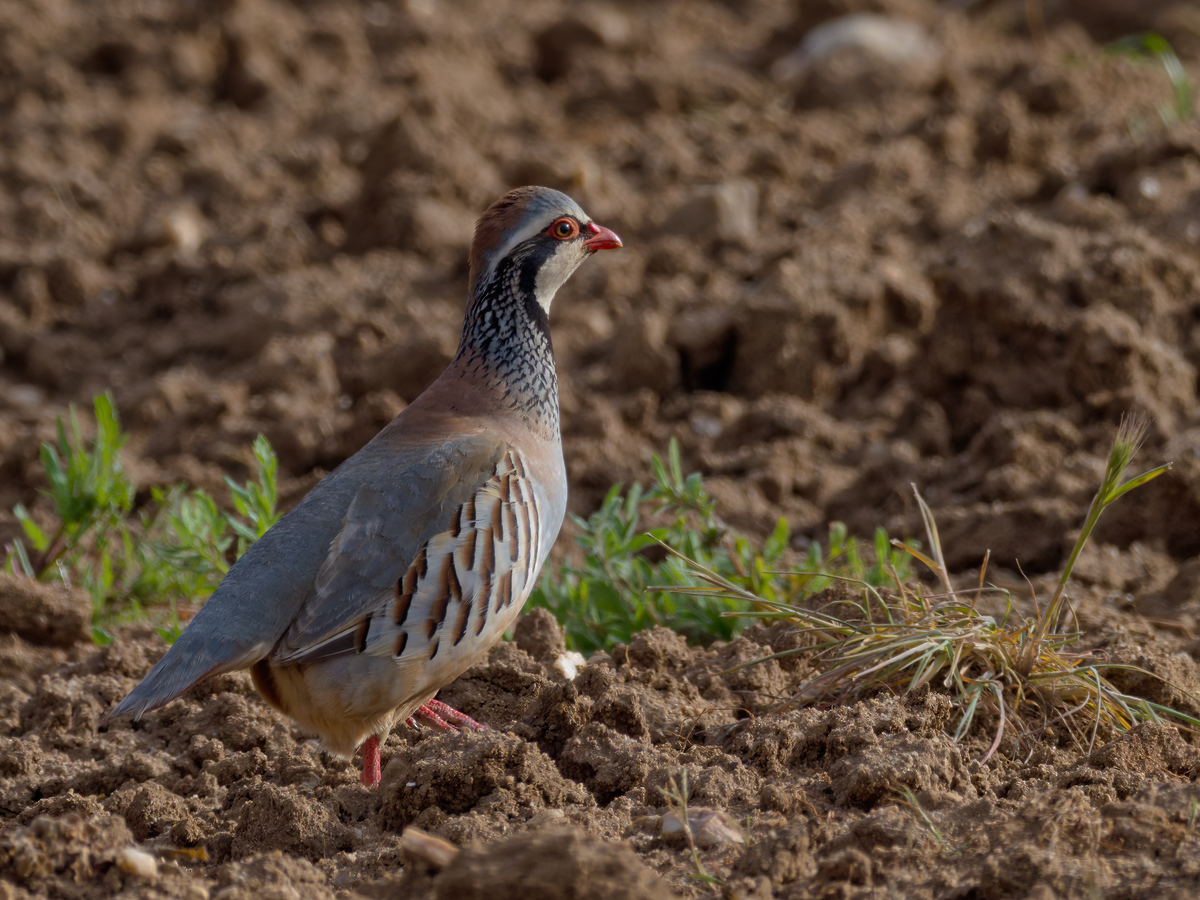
x: 777, y: 543
x: 37, y: 537
x: 179, y: 544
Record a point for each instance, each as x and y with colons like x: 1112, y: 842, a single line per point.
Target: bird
x: 405, y: 564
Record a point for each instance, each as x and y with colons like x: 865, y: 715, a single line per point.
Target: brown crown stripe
x: 433, y: 649
x: 504, y: 591
x: 405, y: 588
x: 401, y: 643
x: 360, y: 635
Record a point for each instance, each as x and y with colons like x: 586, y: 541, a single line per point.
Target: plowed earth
x: 953, y: 262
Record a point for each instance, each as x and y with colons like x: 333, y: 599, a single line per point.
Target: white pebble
x: 433, y: 850
x: 132, y: 861
x: 569, y: 664
x: 709, y: 827
x: 887, y: 38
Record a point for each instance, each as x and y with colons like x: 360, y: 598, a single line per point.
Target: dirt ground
x: 950, y: 257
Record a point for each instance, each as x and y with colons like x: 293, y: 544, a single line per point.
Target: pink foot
x: 443, y: 716
x: 372, y: 771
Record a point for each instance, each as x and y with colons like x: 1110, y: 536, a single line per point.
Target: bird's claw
x: 442, y: 716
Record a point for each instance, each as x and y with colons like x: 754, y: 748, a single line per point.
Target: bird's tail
x: 197, y: 654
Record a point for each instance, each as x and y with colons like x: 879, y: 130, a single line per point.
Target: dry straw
x: 1021, y: 670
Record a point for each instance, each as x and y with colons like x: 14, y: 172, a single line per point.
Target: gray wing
x: 385, y: 529
x: 402, y: 491
x: 469, y: 578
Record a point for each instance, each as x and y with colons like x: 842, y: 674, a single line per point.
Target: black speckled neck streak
x: 506, y: 344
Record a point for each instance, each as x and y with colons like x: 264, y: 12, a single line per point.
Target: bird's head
x: 544, y: 236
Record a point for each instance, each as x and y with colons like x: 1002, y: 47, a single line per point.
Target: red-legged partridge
x: 404, y: 565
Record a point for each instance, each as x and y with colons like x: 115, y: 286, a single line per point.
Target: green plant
x: 631, y: 578
x: 1021, y: 669
x: 89, y: 490
x: 178, y: 546
x: 1140, y: 47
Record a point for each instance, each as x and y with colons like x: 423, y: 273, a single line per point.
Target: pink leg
x: 443, y: 716
x: 372, y: 771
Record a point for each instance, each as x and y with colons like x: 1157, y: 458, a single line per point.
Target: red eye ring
x: 563, y: 229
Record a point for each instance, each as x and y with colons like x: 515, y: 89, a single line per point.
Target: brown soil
x: 955, y: 269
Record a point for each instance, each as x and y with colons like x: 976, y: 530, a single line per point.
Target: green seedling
x: 1151, y: 46
x: 177, y: 547
x: 623, y: 582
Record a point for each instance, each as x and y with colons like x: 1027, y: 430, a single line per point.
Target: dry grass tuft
x: 1024, y: 671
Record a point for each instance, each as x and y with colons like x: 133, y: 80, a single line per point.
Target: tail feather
x: 186, y: 663
x: 256, y: 603
x: 167, y: 680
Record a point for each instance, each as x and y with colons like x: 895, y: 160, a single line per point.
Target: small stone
x: 885, y: 38
x: 568, y: 664
x: 710, y: 827
x: 136, y: 862
x: 184, y: 227
x: 424, y: 847
x: 24, y: 396
x: 728, y: 209
x: 545, y: 817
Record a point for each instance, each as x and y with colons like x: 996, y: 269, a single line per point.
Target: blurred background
x: 868, y: 243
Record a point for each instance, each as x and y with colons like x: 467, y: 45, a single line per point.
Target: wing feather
x: 468, y: 578
x: 384, y: 550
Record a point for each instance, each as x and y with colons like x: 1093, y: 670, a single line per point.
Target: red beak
x: 602, y: 238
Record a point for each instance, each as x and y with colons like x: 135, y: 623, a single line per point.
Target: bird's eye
x: 564, y: 229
